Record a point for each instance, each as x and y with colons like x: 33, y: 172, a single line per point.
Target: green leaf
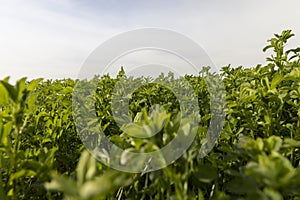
x: 276, y: 80
x: 5, y: 130
x: 20, y: 87
x: 290, y: 143
x: 273, y: 170
x: 13, y: 94
x: 272, y: 194
x: 267, y: 47
x: 273, y: 143
x: 33, y: 84
x: 136, y: 130
x: 82, y: 167
x: 21, y: 173
x: 3, y: 95
x: 86, y: 169
x: 31, y: 102
x: 119, y: 141
x: 294, y: 74
x: 63, y: 184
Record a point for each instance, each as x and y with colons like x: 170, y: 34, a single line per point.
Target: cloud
x: 53, y: 38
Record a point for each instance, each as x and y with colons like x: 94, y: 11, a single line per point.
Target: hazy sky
x: 52, y: 39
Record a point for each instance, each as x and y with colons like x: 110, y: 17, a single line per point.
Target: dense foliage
x: 256, y: 156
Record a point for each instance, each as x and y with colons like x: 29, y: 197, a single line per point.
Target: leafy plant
x: 256, y: 156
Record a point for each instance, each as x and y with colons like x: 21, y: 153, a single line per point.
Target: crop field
x: 256, y: 155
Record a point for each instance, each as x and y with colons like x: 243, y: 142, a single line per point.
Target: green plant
x: 256, y: 156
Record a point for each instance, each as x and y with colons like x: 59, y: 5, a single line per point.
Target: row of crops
x: 256, y: 155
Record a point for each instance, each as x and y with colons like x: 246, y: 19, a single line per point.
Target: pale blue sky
x: 52, y: 38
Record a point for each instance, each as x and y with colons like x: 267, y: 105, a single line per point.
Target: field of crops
x: 256, y: 155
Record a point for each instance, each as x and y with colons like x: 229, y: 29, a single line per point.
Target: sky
x: 52, y: 39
